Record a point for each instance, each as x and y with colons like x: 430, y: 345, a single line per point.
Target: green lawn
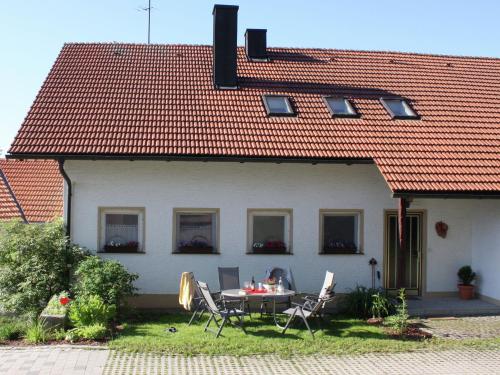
x: 341, y: 336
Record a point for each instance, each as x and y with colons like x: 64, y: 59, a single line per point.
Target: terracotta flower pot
x: 466, y: 291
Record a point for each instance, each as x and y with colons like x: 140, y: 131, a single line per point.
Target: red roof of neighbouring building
x: 31, y: 189
x: 159, y: 100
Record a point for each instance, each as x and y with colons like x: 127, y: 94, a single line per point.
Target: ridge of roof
x: 318, y: 49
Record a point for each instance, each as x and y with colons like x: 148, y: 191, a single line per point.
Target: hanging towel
x: 186, y: 290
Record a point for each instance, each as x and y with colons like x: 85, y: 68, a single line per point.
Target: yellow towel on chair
x: 186, y: 290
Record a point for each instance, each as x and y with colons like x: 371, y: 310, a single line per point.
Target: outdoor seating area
x: 232, y: 303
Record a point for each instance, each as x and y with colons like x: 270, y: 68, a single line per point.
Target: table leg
x: 274, y: 315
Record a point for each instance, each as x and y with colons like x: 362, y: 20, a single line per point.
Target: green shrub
x: 36, y: 262
x: 107, y: 279
x: 11, y: 329
x: 466, y: 275
x: 91, y: 332
x: 90, y: 310
x: 399, y: 321
x: 36, y: 333
x: 358, y: 302
x: 380, y: 305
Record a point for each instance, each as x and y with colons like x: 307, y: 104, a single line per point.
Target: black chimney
x: 256, y: 44
x: 224, y: 48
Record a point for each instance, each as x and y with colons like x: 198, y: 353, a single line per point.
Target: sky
x: 33, y: 31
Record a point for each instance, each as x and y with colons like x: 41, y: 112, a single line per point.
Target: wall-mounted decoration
x: 441, y: 229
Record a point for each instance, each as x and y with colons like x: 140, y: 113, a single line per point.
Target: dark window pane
x: 340, y: 233
x: 269, y: 232
x: 195, y: 231
x: 399, y: 108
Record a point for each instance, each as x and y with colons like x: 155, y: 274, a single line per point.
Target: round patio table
x: 235, y: 293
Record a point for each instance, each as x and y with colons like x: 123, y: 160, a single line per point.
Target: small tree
x: 36, y: 262
x: 399, y: 321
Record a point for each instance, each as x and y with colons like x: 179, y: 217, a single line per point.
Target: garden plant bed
x: 413, y: 332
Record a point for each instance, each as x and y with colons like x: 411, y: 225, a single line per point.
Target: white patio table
x: 235, y: 293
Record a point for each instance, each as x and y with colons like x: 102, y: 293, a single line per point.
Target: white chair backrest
x: 328, y: 284
x: 207, y: 296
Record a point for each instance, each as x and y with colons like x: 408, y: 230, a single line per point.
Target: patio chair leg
x: 306, y: 323
x: 193, y: 317
x: 221, y: 327
x: 289, y: 321
x: 208, y: 323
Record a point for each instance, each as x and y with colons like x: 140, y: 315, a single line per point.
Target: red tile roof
x: 126, y: 99
x: 36, y: 185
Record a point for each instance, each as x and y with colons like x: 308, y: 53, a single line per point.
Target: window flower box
x: 131, y: 247
x: 340, y: 250
x: 187, y: 249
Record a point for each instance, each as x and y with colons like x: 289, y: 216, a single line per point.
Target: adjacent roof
x: 31, y: 190
x: 137, y: 100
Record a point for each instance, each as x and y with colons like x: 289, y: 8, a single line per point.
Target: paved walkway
x: 50, y: 360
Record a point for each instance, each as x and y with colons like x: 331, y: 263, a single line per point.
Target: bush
x: 380, y: 305
x: 36, y: 262
x: 107, y: 279
x: 11, y: 329
x: 399, y: 321
x: 92, y: 332
x: 466, y: 275
x: 90, y: 310
x: 37, y: 333
x: 358, y: 303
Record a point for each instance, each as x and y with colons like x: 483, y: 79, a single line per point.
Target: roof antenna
x: 147, y: 9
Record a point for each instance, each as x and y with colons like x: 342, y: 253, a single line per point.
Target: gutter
x: 197, y: 158
x: 68, y: 202
x: 448, y: 194
x: 11, y: 192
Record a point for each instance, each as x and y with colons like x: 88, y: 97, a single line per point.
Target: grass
x: 341, y: 336
x: 11, y: 329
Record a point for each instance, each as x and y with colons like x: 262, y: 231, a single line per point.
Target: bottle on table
x: 281, y: 288
x: 252, y: 284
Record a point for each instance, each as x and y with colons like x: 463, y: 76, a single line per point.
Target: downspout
x: 68, y: 202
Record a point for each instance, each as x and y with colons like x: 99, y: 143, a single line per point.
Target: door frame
x: 422, y: 288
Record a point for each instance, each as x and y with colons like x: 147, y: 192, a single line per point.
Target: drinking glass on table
x: 260, y: 286
x: 246, y: 285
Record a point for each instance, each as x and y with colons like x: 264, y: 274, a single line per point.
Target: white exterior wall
x: 234, y: 187
x: 486, y: 248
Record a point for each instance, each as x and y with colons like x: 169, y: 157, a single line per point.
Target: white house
x: 185, y: 158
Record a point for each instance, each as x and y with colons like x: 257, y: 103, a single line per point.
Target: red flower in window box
x: 64, y: 301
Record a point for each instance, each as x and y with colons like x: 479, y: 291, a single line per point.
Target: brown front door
x: 412, y: 265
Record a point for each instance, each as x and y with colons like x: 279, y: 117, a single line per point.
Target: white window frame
x: 139, y: 211
x: 341, y: 212
x: 179, y: 211
x: 285, y: 212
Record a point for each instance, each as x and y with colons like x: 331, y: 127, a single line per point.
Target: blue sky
x: 33, y: 31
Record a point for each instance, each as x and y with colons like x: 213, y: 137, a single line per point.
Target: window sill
x: 122, y: 252
x: 340, y: 253
x: 194, y: 253
x: 269, y: 252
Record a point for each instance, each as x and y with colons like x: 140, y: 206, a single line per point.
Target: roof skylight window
x: 278, y: 105
x: 399, y: 108
x: 340, y: 107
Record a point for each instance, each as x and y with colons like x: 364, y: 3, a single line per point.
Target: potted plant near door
x: 465, y: 287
